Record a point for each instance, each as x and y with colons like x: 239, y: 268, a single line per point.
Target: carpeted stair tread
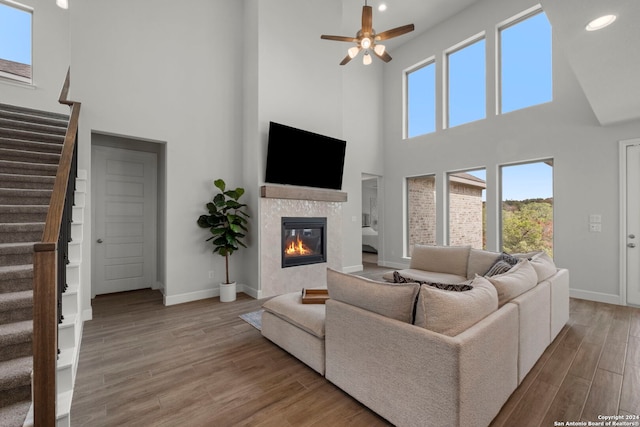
x: 16, y: 333
x: 22, y: 124
x: 22, y: 213
x: 31, y: 136
x: 14, y: 414
x: 24, y: 196
x: 16, y: 155
x: 11, y: 300
x: 21, y: 232
x: 27, y: 168
x: 32, y: 112
x: 16, y: 278
x: 16, y: 253
x: 39, y: 147
x: 42, y: 182
x: 15, y: 373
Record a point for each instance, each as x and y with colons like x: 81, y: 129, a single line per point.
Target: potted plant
x: 227, y: 222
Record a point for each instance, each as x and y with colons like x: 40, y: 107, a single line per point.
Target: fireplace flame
x: 297, y: 248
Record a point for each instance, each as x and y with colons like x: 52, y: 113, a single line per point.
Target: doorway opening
x: 128, y: 216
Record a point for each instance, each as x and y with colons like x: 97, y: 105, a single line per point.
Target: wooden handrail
x: 45, y: 278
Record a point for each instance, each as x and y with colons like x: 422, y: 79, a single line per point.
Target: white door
x: 124, y: 206
x: 632, y: 227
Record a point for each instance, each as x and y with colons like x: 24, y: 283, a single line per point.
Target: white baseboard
x: 394, y: 265
x: 353, y: 268
x: 595, y: 296
x: 190, y: 296
x: 255, y: 293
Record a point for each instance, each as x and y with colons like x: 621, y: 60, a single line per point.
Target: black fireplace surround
x: 304, y: 241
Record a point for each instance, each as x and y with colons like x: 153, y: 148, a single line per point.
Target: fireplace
x: 304, y: 241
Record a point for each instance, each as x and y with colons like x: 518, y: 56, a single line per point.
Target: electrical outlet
x: 595, y: 227
x: 211, y: 274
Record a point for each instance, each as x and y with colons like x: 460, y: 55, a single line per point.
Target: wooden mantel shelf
x: 302, y: 193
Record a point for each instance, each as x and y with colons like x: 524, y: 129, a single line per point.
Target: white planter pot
x: 227, y: 292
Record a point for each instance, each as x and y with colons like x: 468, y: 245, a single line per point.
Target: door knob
x: 631, y: 245
x: 632, y: 236
x: 99, y: 240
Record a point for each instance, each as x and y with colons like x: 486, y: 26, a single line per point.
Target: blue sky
x: 15, y: 34
x: 523, y: 181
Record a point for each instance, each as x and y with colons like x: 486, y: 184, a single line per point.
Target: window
x: 466, y: 84
x: 15, y: 41
x: 525, y: 62
x: 527, y: 207
x: 467, y: 208
x: 421, y: 211
x: 421, y: 100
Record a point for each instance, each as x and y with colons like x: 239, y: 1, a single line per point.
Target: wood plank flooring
x: 199, y: 364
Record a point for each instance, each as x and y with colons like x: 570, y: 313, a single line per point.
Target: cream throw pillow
x: 390, y: 300
x: 514, y: 282
x: 451, y: 313
x: 542, y: 263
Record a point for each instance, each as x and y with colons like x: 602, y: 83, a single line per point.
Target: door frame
x: 133, y: 144
x: 623, y: 145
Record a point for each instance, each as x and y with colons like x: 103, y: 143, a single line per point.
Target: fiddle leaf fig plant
x: 227, y: 222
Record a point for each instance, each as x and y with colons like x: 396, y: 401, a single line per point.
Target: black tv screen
x: 300, y: 157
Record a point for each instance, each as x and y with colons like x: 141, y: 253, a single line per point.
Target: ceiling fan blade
x: 346, y: 60
x: 395, y: 32
x: 367, y: 19
x: 339, y: 38
x: 385, y: 56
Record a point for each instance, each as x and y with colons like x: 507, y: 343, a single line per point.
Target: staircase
x: 30, y: 147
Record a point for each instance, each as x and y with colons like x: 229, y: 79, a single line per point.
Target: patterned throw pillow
x: 499, y: 267
x: 513, y: 260
x: 456, y: 287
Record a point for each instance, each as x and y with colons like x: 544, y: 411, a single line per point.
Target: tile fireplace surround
x: 277, y: 202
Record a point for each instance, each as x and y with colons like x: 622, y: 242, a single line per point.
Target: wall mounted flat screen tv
x: 307, y: 159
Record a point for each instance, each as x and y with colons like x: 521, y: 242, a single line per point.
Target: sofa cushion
x: 501, y: 266
x: 390, y: 300
x: 289, y: 307
x: 480, y: 261
x: 519, y: 279
x: 441, y: 259
x: 450, y: 313
x: 542, y: 263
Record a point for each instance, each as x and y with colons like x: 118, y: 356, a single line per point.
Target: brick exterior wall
x: 465, y: 215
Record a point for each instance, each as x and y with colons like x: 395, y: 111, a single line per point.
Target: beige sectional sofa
x: 422, y: 356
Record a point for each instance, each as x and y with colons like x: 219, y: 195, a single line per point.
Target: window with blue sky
x: 15, y: 40
x: 421, y: 100
x: 525, y: 63
x: 467, y: 84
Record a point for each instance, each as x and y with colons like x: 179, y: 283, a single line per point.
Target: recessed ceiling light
x: 382, y: 7
x: 600, y: 23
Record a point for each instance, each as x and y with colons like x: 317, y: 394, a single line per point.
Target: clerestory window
x: 15, y: 41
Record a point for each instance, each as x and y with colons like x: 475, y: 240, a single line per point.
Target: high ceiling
x: 606, y: 63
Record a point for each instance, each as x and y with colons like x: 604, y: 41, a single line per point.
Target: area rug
x: 253, y: 318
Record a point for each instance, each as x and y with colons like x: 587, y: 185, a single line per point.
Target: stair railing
x: 49, y: 272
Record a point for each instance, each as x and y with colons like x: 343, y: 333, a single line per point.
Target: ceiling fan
x: 366, y: 38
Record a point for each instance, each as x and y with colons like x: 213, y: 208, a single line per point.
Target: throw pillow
x: 458, y: 287
x: 519, y: 279
x: 441, y: 259
x: 480, y: 261
x: 391, y: 300
x: 542, y: 263
x: 451, y: 313
x: 511, y: 259
x: 499, y: 267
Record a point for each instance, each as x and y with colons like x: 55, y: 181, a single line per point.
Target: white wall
x: 585, y: 154
x: 50, y: 41
x: 141, y: 75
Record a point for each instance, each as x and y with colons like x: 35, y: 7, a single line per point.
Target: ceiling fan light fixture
x: 379, y: 49
x: 366, y: 59
x: 64, y: 4
x: 365, y: 43
x: 353, y: 51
